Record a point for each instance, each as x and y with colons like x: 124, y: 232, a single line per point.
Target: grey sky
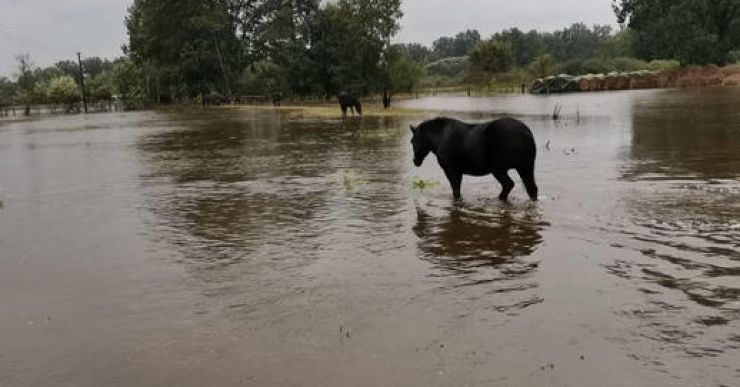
x: 51, y: 30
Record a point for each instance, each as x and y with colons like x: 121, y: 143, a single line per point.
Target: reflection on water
x: 683, y: 208
x: 691, y: 134
x: 265, y: 189
x: 468, y: 242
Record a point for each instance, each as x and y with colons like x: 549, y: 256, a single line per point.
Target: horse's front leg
x: 455, y: 179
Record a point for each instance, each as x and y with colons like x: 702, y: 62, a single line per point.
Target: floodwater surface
x: 256, y: 247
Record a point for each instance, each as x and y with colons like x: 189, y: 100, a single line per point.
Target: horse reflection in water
x: 481, y: 245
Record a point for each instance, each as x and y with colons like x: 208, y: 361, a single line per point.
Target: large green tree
x: 691, y: 31
x: 491, y: 57
x: 194, y: 44
x: 525, y: 46
x: 351, y: 43
x: 455, y: 46
x: 7, y: 93
x: 199, y: 46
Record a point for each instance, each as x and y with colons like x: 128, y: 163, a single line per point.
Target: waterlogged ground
x: 260, y: 248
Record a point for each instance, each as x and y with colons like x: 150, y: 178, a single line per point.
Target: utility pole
x: 82, y: 82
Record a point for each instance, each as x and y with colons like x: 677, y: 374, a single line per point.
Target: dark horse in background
x: 348, y: 101
x: 479, y: 149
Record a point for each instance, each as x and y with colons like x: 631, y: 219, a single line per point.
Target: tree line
x: 60, y: 86
x: 184, y: 50
x: 295, y: 47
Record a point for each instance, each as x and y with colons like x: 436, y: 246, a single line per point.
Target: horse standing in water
x: 478, y: 150
x: 348, y: 101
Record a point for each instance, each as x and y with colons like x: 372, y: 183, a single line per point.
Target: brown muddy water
x: 261, y: 248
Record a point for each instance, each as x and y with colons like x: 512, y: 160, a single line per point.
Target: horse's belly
x: 476, y: 168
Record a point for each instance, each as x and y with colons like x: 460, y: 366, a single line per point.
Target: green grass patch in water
x: 424, y: 184
x: 350, y: 181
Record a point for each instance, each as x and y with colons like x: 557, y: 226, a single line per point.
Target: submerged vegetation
x: 350, y: 181
x: 422, y: 184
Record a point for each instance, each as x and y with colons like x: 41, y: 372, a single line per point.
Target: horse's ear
x: 413, y: 129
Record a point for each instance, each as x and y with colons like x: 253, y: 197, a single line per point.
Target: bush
x: 405, y: 75
x: 660, y: 65
x: 127, y: 80
x: 63, y: 90
x: 624, y: 64
x: 542, y: 66
x: 595, y: 66
x: 100, y: 88
x: 492, y: 57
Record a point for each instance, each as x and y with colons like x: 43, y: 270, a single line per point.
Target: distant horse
x: 478, y: 150
x: 348, y: 101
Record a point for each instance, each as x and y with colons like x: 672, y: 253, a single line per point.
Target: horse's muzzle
x: 418, y: 163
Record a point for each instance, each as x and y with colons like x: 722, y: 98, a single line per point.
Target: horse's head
x: 421, y: 145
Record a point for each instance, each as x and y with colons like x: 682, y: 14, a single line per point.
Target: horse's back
x: 509, y: 143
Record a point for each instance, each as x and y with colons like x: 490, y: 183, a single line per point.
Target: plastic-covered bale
x: 584, y: 84
x: 537, y: 86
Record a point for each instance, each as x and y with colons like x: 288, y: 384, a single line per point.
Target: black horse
x: 348, y: 101
x: 479, y: 149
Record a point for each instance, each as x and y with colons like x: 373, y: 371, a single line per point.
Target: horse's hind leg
x: 527, y: 175
x: 506, y: 184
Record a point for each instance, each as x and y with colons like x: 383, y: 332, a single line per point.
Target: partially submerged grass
x: 332, y: 111
x: 350, y: 181
x: 424, y: 184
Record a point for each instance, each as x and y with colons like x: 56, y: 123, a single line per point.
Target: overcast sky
x: 51, y: 30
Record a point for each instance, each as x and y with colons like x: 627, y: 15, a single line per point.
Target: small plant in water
x: 350, y: 181
x: 424, y: 184
x: 556, y: 111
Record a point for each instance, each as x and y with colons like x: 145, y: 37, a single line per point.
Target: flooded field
x: 260, y: 248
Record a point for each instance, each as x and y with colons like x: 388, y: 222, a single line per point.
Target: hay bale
x: 623, y: 82
x: 667, y: 79
x: 611, y: 82
x: 597, y: 83
x: 732, y: 80
x: 686, y: 82
x: 715, y: 80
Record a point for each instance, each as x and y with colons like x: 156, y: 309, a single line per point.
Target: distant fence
x: 39, y: 109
